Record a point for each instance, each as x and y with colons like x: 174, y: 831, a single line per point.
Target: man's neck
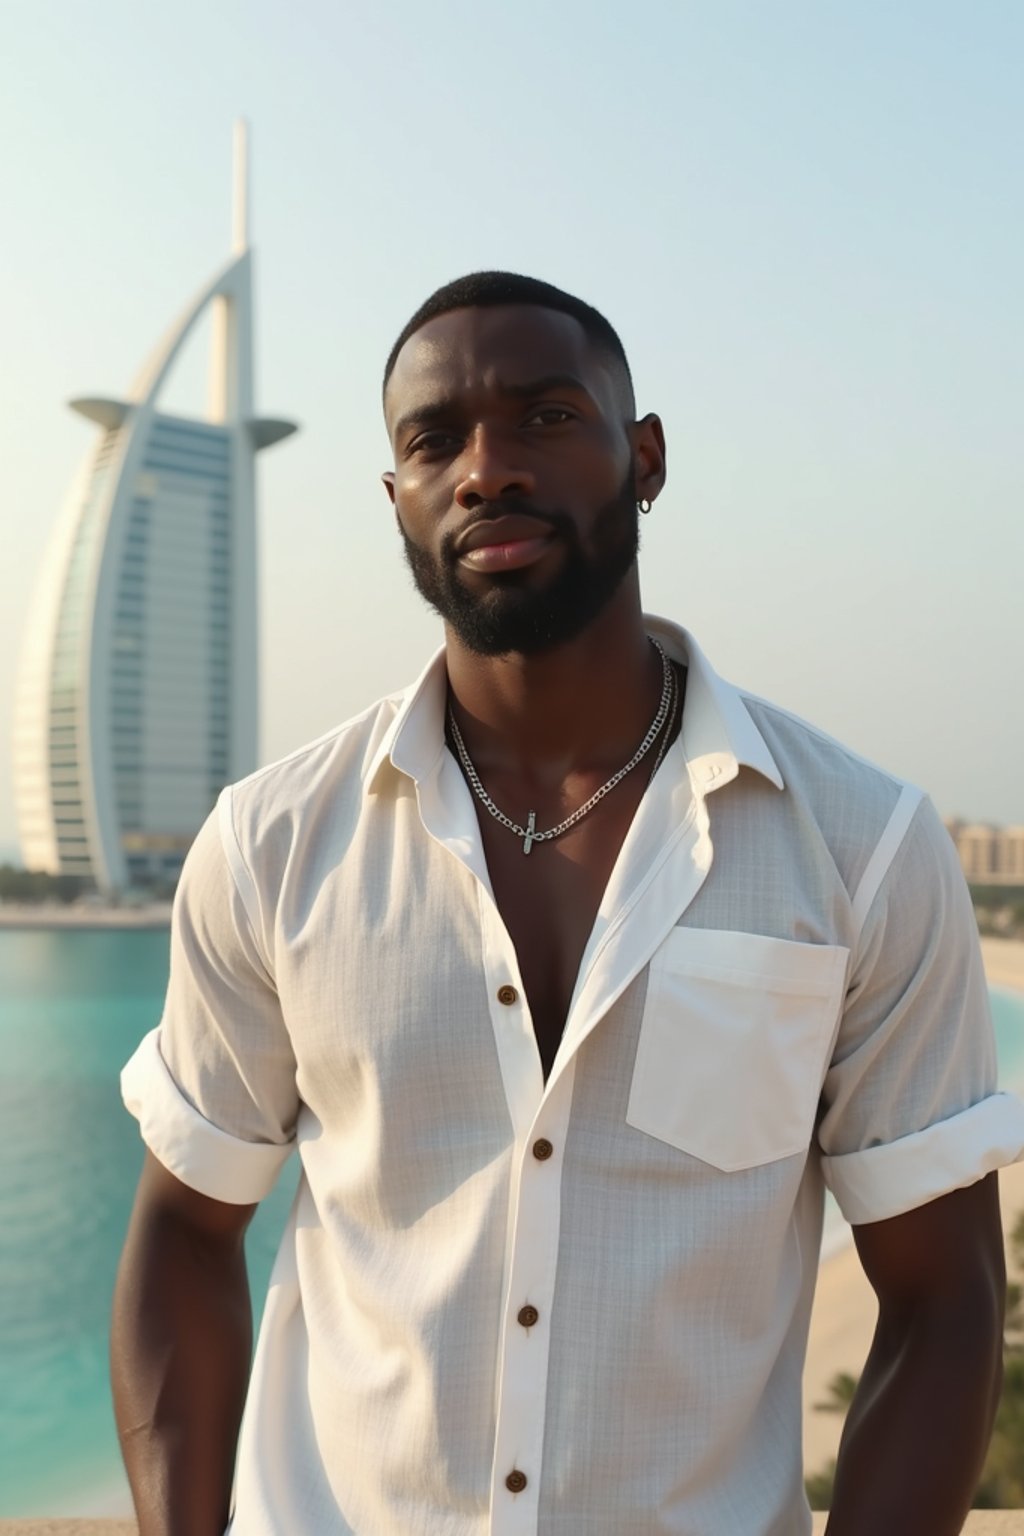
x: 583, y: 706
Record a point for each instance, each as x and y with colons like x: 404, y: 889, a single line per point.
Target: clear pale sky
x: 806, y: 220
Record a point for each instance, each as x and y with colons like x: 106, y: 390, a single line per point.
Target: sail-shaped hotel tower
x: 137, y: 694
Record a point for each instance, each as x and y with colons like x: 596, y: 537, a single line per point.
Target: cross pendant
x: 531, y: 823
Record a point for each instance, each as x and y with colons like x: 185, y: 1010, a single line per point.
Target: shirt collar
x: 718, y: 733
x: 414, y: 740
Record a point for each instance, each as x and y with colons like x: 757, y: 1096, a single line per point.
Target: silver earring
x: 643, y: 505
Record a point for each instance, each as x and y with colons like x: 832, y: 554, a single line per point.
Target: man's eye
x: 549, y: 416
x: 431, y: 442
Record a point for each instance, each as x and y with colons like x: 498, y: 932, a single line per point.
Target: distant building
x: 989, y: 855
x: 137, y: 694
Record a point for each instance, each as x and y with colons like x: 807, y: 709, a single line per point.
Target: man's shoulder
x: 333, y: 766
x: 810, y: 758
x: 815, y: 767
x: 862, y: 812
x: 866, y: 820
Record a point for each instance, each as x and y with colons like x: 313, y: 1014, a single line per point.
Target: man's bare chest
x: 548, y: 900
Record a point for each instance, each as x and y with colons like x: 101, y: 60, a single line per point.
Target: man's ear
x: 649, y: 457
x: 388, y: 481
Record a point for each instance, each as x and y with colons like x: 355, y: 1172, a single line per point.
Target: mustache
x: 508, y: 506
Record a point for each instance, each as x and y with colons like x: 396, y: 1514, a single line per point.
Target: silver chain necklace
x: 529, y: 833
x: 669, y: 724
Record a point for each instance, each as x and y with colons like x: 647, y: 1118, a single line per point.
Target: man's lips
x: 504, y: 543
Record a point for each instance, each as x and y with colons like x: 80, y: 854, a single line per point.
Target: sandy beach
x: 844, y: 1306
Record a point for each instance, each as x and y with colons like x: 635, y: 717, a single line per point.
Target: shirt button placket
x: 526, y: 1339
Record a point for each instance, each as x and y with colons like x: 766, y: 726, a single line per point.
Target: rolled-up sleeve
x: 910, y: 1105
x: 213, y: 1086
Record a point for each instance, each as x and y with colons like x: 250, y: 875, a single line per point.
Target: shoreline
x: 97, y: 1493
x: 107, y: 1498
x: 1003, y: 958
x: 155, y: 914
x: 1004, y: 963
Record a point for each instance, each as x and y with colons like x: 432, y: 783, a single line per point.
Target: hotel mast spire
x: 240, y: 200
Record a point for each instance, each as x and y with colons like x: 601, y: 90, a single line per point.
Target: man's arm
x: 919, y: 1426
x: 180, y: 1353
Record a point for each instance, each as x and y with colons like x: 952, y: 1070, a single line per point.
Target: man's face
x: 514, y: 481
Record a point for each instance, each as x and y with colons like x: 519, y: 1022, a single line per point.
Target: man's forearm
x: 919, y: 1425
x: 180, y: 1352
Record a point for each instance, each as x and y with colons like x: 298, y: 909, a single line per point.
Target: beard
x: 511, y: 616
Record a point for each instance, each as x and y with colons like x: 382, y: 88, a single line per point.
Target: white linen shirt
x: 577, y: 1308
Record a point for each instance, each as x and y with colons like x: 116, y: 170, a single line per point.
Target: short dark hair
x: 489, y: 290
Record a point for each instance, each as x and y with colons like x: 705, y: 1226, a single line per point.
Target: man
x: 573, y: 974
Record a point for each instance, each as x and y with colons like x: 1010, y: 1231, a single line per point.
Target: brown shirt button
x: 528, y: 1316
x: 507, y: 995
x: 542, y: 1149
x: 515, y: 1482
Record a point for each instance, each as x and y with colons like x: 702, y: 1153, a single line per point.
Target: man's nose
x: 492, y: 467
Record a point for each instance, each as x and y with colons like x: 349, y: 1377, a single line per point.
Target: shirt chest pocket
x: 733, y: 1044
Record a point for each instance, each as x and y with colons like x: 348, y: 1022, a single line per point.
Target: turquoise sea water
x: 73, y: 1005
